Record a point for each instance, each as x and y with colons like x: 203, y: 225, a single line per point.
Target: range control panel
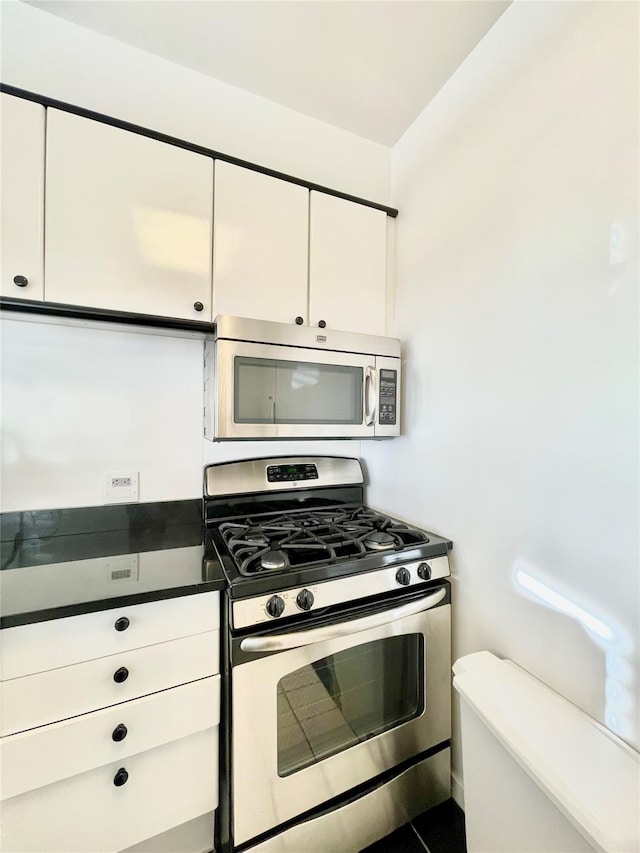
x: 282, y: 473
x: 388, y: 396
x: 293, y: 602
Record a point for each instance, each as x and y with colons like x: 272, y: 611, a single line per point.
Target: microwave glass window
x: 346, y: 698
x: 296, y: 392
x: 255, y: 391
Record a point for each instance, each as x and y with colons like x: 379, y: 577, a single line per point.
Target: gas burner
x: 254, y: 536
x: 379, y: 540
x: 274, y: 560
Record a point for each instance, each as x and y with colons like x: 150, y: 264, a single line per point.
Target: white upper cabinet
x: 133, y: 224
x: 281, y: 253
x: 128, y: 221
x: 347, y: 265
x: 260, y: 245
x: 22, y: 185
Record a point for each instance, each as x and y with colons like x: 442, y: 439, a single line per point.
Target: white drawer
x: 61, y: 642
x: 51, y: 753
x: 58, y: 694
x: 195, y: 836
x: 166, y: 786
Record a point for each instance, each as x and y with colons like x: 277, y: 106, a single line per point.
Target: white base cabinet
x: 22, y: 193
x: 95, y: 765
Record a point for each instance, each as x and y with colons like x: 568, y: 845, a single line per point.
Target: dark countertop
x: 59, y: 563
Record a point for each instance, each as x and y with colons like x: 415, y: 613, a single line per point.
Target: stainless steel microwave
x: 268, y: 380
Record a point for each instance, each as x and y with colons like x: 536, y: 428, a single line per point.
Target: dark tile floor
x: 439, y: 830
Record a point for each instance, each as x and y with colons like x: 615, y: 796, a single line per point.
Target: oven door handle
x: 295, y: 639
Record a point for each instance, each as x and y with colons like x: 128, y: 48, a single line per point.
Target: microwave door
x: 387, y: 394
x: 322, y: 395
x: 272, y: 391
x: 245, y: 391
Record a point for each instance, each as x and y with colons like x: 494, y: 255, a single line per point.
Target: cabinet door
x: 128, y: 221
x: 107, y: 810
x: 347, y: 265
x: 260, y: 245
x: 22, y: 175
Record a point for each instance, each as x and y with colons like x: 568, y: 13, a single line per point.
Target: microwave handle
x: 370, y: 395
x: 295, y: 639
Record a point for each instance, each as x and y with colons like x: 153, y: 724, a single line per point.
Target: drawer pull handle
x: 119, y: 733
x: 20, y: 280
x: 121, y: 675
x: 120, y: 778
x: 121, y: 624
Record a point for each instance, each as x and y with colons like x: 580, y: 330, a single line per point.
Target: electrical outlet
x: 121, y: 487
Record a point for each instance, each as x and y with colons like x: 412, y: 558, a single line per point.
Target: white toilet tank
x: 540, y: 775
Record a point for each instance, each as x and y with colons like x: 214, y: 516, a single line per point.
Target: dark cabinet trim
x: 189, y: 146
x: 79, y: 312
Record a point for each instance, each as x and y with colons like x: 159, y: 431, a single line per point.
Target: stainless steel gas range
x: 337, y: 658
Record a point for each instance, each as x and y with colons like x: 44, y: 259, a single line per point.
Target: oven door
x: 269, y: 391
x: 317, y: 712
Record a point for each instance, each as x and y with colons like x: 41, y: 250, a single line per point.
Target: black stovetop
x: 265, y: 552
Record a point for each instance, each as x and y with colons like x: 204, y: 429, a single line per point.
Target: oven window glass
x: 296, y: 392
x: 347, y: 698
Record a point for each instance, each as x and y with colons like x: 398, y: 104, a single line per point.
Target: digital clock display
x: 284, y: 473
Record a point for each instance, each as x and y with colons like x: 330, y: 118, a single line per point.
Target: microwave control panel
x: 284, y: 473
x: 388, y: 397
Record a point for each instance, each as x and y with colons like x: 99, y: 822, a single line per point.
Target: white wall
x: 521, y: 415
x: 79, y: 402
x: 50, y: 56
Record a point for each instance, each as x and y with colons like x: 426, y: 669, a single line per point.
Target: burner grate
x: 318, y: 537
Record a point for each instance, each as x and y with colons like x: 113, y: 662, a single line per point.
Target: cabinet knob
x: 198, y: 306
x: 119, y: 733
x: 121, y: 675
x: 121, y: 624
x: 20, y: 280
x: 299, y: 321
x: 322, y: 324
x: 120, y: 778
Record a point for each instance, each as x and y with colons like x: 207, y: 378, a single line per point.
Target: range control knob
x: 275, y: 606
x: 304, y: 599
x: 403, y: 577
x: 424, y: 571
